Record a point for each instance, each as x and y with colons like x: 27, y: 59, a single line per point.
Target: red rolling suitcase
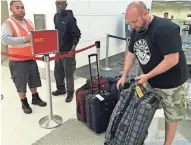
x: 80, y: 96
x: 104, y: 83
x: 83, y: 91
x: 98, y: 105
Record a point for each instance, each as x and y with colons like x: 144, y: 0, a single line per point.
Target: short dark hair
x: 13, y: 1
x: 166, y: 13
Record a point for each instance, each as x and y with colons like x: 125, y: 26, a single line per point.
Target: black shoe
x: 57, y: 93
x: 37, y: 101
x: 25, y: 106
x: 69, y: 98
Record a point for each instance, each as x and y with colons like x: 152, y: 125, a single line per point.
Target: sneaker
x: 57, y: 93
x: 37, y: 101
x: 25, y: 106
x: 69, y: 98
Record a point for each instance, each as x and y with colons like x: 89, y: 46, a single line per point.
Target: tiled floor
x: 18, y: 128
x: 73, y: 132
x: 21, y: 129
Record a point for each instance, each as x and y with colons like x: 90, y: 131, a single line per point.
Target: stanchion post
x: 98, y: 53
x: 126, y: 50
x: 48, y: 86
x: 107, y: 53
x: 127, y: 45
x: 107, y: 50
x: 50, y: 121
x: 187, y: 32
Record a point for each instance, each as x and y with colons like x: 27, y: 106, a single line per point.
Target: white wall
x: 95, y: 19
x: 4, y: 16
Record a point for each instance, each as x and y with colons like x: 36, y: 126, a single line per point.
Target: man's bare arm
x: 7, y: 36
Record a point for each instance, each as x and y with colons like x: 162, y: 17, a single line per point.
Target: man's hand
x: 27, y: 38
x: 142, y: 78
x: 72, y: 50
x: 121, y: 82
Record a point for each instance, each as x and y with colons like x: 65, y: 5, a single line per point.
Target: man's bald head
x: 137, y: 15
x: 139, y: 5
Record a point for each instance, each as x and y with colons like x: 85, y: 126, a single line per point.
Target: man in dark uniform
x: 69, y: 35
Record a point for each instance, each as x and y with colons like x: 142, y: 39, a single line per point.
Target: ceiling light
x: 156, y: 3
x: 186, y: 5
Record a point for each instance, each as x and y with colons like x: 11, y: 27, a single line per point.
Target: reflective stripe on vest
x: 14, y: 28
x: 20, y: 45
x: 18, y: 31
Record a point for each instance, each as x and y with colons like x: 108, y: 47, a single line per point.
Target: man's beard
x: 19, y: 17
x: 143, y: 29
x: 23, y: 15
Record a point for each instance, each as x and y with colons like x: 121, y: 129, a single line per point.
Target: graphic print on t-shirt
x: 141, y: 49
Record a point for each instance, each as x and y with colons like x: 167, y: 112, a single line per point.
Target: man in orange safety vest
x: 15, y: 33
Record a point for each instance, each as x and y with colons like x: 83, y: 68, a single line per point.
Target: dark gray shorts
x: 23, y: 72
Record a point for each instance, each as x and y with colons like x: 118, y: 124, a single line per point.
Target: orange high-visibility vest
x: 18, y: 31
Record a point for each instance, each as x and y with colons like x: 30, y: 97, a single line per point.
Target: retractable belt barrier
x: 106, y: 68
x: 51, y: 121
x: 187, y: 43
x: 21, y: 56
x: 51, y: 58
x: 117, y: 37
x: 45, y: 42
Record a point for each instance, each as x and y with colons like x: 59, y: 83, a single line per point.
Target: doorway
x: 4, y: 16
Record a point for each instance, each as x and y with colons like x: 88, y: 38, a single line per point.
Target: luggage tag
x: 139, y: 91
x: 99, y: 97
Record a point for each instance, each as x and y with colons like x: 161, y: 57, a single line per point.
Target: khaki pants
x: 173, y: 103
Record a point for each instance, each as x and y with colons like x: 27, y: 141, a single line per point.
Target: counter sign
x: 44, y: 42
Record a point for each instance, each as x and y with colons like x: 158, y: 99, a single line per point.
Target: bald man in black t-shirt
x: 156, y: 43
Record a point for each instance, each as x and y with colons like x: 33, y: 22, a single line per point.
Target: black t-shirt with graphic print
x: 161, y: 38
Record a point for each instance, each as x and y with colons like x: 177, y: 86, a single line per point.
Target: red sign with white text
x: 44, y: 42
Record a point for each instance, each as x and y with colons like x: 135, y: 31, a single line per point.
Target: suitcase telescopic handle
x: 91, y: 77
x: 94, y: 54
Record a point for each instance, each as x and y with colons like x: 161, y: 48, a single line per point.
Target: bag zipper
x: 121, y: 113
